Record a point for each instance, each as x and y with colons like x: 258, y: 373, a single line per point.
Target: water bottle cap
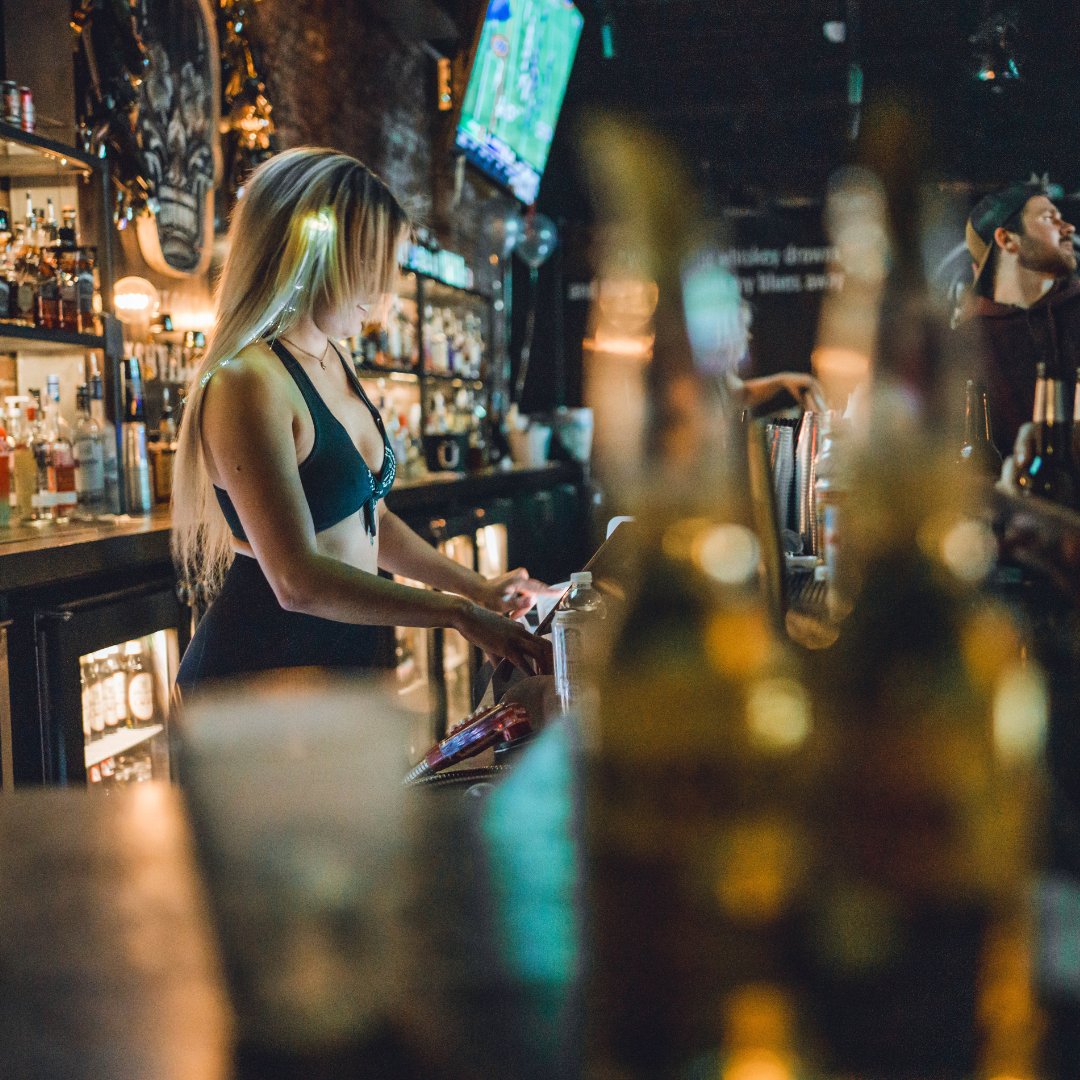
x: 582, y: 577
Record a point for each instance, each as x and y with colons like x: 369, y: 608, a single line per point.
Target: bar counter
x: 68, y: 592
x: 31, y: 558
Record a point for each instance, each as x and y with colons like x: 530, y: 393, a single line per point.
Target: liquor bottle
x: 978, y: 450
x: 116, y: 688
x: 89, y: 459
x: 140, y: 685
x: 67, y: 235
x: 7, y: 280
x: 6, y: 464
x: 163, y: 451
x: 94, y: 717
x: 85, y: 290
x: 66, y: 275
x: 108, y: 444
x: 50, y: 228
x: 908, y: 706
x: 60, y: 455
x: 140, y: 499
x: 25, y: 266
x: 23, y: 466
x: 84, y: 687
x: 41, y: 510
x: 103, y: 719
x: 47, y: 291
x: 1075, y: 441
x: 1051, y: 473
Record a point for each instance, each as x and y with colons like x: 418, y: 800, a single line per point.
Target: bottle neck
x: 986, y: 432
x: 970, y: 427
x: 1052, y: 428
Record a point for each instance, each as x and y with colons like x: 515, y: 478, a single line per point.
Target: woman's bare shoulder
x: 253, y: 372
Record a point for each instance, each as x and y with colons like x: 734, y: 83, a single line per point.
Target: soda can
x: 26, y: 108
x: 10, y: 112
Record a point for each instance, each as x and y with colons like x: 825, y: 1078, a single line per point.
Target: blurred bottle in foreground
x: 805, y: 865
x: 1051, y: 473
x: 978, y: 450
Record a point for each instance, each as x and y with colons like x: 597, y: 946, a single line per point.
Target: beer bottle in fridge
x: 1051, y: 472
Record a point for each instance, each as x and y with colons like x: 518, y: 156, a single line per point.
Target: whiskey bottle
x: 59, y: 456
x: 163, y: 451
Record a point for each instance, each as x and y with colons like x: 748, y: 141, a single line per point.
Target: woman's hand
x: 509, y: 594
x: 500, y: 637
x: 804, y: 388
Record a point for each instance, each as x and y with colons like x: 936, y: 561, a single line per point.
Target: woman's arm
x: 402, y: 551
x: 247, y: 431
x: 805, y: 389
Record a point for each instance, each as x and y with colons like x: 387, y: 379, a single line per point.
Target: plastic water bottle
x: 575, y: 630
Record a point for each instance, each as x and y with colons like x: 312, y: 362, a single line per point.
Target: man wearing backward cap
x: 1026, y: 302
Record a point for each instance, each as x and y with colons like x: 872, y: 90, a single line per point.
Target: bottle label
x: 568, y: 643
x: 141, y: 696
x: 89, y: 467
x: 119, y: 697
x: 96, y: 705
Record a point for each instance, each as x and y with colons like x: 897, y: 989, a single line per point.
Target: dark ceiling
x: 757, y: 98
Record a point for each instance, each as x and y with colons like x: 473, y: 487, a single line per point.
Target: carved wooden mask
x: 179, y: 105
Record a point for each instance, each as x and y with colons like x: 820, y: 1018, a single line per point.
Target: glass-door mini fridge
x: 436, y: 668
x: 105, y: 670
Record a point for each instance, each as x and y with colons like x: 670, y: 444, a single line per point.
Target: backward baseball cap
x: 991, y: 213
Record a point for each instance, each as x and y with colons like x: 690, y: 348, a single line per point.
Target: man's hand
x: 1020, y: 458
x: 1043, y: 537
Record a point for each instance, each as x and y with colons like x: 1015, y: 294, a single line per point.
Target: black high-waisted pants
x: 246, y: 630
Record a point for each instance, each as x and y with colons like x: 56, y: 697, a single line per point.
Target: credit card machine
x: 500, y: 723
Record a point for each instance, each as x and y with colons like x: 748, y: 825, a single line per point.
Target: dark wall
x: 339, y: 76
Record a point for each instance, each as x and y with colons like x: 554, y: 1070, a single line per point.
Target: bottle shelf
x: 374, y: 371
x: 118, y: 742
x: 16, y: 336
x: 456, y: 380
x: 25, y: 155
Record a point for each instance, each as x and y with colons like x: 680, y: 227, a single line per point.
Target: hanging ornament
x: 247, y: 126
x: 503, y: 226
x: 538, y: 240
x: 110, y: 63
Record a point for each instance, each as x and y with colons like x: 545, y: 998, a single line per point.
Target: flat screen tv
x: 521, y: 65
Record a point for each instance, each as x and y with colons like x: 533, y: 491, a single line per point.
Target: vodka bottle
x: 89, y: 459
x: 110, y: 464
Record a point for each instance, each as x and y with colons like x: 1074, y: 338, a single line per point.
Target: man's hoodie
x: 1014, y: 340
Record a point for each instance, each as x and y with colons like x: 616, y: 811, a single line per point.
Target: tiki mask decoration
x: 177, y: 128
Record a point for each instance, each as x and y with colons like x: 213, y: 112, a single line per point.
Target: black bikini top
x: 335, y: 477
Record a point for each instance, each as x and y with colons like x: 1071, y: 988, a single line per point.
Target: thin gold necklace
x: 321, y: 359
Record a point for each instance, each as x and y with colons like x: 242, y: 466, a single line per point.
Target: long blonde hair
x: 312, y: 226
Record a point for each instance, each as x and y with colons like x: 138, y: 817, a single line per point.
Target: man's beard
x: 1057, y: 262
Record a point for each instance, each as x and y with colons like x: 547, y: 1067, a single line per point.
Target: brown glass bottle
x: 1051, y: 473
x: 978, y: 450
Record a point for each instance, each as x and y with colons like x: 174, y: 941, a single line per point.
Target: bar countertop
x: 32, y: 557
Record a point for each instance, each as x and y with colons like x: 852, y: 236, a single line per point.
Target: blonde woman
x: 283, y: 464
